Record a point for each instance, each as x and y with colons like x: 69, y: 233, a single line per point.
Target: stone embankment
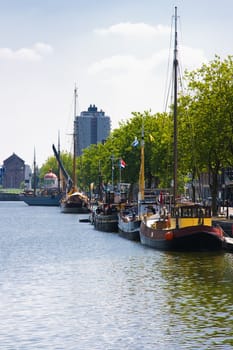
x: 4, y: 196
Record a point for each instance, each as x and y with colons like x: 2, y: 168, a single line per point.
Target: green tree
x: 52, y: 164
x: 205, y: 137
x: 209, y: 104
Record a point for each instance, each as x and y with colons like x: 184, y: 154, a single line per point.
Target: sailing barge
x: 182, y: 226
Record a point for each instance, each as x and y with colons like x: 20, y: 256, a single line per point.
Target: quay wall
x: 4, y: 196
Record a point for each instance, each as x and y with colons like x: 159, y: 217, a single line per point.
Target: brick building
x: 13, y: 172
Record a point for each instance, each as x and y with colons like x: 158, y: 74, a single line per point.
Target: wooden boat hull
x: 129, y: 229
x: 74, y: 203
x: 73, y: 208
x: 193, y: 238
x: 105, y: 222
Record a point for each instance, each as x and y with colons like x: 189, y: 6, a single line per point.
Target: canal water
x: 64, y: 285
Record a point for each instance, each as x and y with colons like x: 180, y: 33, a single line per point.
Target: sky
x: 115, y: 52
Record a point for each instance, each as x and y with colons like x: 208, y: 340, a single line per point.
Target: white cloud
x: 139, y: 83
x: 134, y: 81
x: 123, y: 65
x: 126, y: 61
x: 114, y: 63
x: 35, y: 53
x: 43, y: 48
x: 192, y: 58
x: 134, y: 30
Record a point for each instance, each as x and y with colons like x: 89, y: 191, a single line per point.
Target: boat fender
x: 169, y: 235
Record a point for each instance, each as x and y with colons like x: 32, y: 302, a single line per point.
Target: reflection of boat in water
x: 183, y: 226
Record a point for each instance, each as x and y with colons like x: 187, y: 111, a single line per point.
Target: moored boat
x: 129, y: 223
x: 42, y: 199
x: 129, y: 217
x: 75, y: 202
x: 105, y: 218
x: 48, y: 195
x: 187, y: 228
x: 180, y: 226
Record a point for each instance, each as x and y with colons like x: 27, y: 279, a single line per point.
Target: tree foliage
x: 205, y: 137
x: 51, y: 164
x: 209, y: 106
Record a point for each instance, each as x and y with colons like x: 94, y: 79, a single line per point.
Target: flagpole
x: 120, y: 174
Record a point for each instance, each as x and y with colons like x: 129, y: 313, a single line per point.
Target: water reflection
x: 200, y: 298
x: 64, y: 285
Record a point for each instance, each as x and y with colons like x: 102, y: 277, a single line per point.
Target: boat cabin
x: 191, y: 211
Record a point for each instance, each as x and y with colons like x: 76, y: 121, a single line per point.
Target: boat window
x: 191, y: 212
x: 186, y: 212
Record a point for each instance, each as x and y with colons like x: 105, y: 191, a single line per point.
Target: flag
x: 135, y: 142
x: 122, y: 163
x: 151, y: 138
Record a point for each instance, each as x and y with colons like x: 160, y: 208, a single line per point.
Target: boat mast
x: 59, y: 168
x: 63, y: 170
x: 34, y: 173
x: 74, y: 143
x: 142, y: 167
x: 175, y: 69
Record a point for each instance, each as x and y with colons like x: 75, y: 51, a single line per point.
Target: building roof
x: 13, y: 156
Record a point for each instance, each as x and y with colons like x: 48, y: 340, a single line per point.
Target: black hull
x: 199, y: 238
x: 74, y: 203
x: 132, y: 236
x: 106, y: 223
x: 129, y: 230
x: 43, y: 201
x: 72, y: 208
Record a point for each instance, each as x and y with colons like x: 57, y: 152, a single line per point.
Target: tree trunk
x: 214, y: 191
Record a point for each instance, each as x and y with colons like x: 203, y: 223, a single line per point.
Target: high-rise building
x: 91, y: 127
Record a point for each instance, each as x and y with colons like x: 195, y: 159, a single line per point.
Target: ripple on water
x: 64, y: 285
